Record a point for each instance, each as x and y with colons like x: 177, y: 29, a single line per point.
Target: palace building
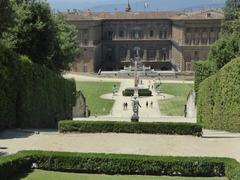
x: 167, y: 40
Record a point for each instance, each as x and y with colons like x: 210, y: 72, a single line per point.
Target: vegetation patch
x: 32, y: 96
x: 175, y: 106
x: 219, y: 99
x: 130, y: 127
x: 112, y: 164
x: 92, y: 92
x: 141, y: 92
x: 43, y: 175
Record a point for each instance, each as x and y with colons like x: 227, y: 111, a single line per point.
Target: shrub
x: 141, y: 92
x: 13, y: 165
x: 129, y: 127
x: 219, y: 99
x: 119, y: 164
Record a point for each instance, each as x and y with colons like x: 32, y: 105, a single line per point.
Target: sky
x: 106, y: 5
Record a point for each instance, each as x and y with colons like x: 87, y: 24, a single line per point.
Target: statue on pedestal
x: 135, y: 105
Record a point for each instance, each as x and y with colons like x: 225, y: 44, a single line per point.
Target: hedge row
x: 202, y: 70
x: 32, y: 96
x: 141, y: 92
x: 8, y: 87
x: 119, y: 164
x: 45, y: 97
x: 130, y: 127
x: 219, y: 99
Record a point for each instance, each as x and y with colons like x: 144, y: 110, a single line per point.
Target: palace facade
x: 166, y: 39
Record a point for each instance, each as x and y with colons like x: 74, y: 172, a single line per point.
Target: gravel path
x: 122, y: 143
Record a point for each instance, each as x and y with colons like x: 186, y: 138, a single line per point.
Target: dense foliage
x: 32, y: 95
x: 45, y: 97
x: 33, y: 40
x: 224, y: 50
x: 46, y: 38
x: 141, y: 92
x: 119, y: 164
x: 128, y: 127
x: 6, y: 16
x: 203, y: 70
x: 231, y: 22
x: 219, y: 99
x: 8, y: 90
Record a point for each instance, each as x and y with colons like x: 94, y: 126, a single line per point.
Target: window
x: 85, y: 37
x: 196, y: 55
x: 109, y: 35
x: 163, y: 34
x: 121, y: 33
x: 151, y: 53
x: 137, y: 34
x: 151, y: 33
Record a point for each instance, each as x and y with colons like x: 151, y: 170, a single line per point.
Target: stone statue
x: 135, y: 105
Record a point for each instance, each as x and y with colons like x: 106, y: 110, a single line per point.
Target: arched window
x: 163, y: 34
x: 196, y: 37
x: 121, y: 33
x: 204, y: 38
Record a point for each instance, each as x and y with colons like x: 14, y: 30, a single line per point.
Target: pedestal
x: 135, y: 92
x: 135, y: 118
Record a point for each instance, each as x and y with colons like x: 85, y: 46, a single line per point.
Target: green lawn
x: 92, y: 92
x: 45, y: 175
x: 174, y: 107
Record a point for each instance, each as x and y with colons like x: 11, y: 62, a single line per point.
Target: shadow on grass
x: 21, y: 176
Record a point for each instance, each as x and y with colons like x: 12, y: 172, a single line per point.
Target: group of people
x: 151, y: 104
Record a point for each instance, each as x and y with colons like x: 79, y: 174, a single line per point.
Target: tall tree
x: 6, y: 15
x: 47, y: 39
x: 34, y: 31
x: 66, y: 46
x: 231, y: 21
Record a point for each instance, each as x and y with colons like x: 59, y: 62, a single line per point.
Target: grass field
x: 92, y: 92
x: 49, y: 175
x: 174, y: 107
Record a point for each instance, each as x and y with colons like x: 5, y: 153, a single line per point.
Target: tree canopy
x: 6, y: 15
x: 46, y: 38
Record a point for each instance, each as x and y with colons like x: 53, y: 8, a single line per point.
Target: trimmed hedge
x: 202, y: 70
x: 130, y: 127
x: 119, y: 164
x: 32, y: 96
x: 8, y: 87
x: 141, y: 92
x: 219, y: 99
x: 45, y: 98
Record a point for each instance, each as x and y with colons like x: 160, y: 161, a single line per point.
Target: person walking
x: 151, y: 104
x: 147, y: 104
x: 126, y: 105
